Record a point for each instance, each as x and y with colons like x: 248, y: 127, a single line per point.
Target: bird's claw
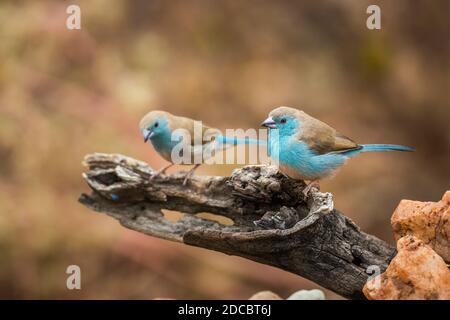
x: 156, y: 175
x: 160, y: 172
x: 311, y: 188
x: 189, y: 174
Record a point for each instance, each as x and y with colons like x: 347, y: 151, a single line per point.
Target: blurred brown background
x: 65, y: 93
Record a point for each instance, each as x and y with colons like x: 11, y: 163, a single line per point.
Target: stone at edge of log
x: 428, y: 221
x: 265, y: 295
x: 415, y: 273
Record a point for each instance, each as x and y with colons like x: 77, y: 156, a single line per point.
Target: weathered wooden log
x: 273, y: 223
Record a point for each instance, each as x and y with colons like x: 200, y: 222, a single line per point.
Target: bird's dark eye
x: 283, y: 120
x: 156, y: 125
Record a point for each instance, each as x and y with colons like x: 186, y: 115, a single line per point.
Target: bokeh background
x: 65, y: 93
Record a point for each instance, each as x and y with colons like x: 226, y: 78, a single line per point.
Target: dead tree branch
x: 310, y: 239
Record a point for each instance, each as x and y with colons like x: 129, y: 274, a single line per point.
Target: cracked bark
x: 308, y: 238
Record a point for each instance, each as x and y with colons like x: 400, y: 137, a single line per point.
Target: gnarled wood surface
x: 273, y: 223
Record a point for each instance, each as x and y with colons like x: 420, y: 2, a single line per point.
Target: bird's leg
x: 161, y: 171
x: 190, y: 173
x: 312, y: 184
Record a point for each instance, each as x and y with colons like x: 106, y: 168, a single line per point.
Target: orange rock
x: 416, y: 272
x: 428, y: 221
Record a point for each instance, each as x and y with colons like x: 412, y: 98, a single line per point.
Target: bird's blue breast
x: 163, y: 142
x: 299, y: 161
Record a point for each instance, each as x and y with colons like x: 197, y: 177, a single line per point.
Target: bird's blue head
x: 154, y: 124
x: 284, y: 119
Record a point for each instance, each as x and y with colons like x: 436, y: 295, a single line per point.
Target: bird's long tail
x: 376, y: 147
x: 384, y: 147
x: 236, y: 141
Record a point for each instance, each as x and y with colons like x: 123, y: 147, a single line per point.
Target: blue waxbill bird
x: 161, y: 127
x: 309, y: 149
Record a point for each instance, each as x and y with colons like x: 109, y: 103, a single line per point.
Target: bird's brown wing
x: 343, y: 143
x: 322, y: 138
x: 207, y: 133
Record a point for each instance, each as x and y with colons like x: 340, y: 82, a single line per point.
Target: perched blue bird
x: 166, y: 132
x: 309, y: 149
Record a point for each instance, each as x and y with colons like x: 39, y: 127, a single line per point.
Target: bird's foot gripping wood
x: 292, y: 234
x: 189, y: 174
x: 318, y: 202
x: 311, y: 187
x: 160, y: 172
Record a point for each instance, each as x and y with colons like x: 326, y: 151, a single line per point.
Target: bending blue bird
x: 309, y: 149
x: 185, y: 138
